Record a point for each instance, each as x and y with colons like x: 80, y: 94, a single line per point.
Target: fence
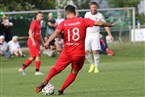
x: 123, y: 17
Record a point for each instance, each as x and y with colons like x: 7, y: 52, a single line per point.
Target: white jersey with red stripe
x: 92, y: 41
x: 96, y: 17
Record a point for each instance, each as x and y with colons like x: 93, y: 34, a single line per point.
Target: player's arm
x: 52, y: 36
x: 107, y: 28
x: 31, y: 37
x: 103, y: 24
x: 106, y: 25
x: 109, y: 32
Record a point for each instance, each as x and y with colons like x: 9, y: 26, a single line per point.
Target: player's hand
x: 46, y: 45
x: 111, y: 37
x: 113, y: 24
x: 34, y: 44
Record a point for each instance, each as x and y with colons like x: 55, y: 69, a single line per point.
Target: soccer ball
x: 48, y: 89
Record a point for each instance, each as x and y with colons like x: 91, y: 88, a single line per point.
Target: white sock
x: 89, y: 58
x: 97, y: 60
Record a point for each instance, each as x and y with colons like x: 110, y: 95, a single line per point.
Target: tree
x: 123, y: 3
x: 24, y: 5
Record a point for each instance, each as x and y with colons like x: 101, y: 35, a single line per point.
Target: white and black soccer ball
x: 48, y: 89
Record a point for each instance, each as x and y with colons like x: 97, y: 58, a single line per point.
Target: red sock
x: 26, y: 64
x: 51, y: 74
x: 37, y: 65
x: 68, y: 81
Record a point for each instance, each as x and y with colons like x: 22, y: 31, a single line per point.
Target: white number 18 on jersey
x: 75, y: 36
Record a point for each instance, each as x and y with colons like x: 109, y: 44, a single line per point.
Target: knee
x: 75, y: 71
x: 87, y: 55
x: 57, y: 69
x: 95, y: 52
x: 37, y: 58
x: 87, y: 52
x: 31, y: 58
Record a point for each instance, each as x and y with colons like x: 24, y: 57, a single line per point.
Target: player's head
x: 93, y: 7
x: 70, y: 11
x: 39, y: 16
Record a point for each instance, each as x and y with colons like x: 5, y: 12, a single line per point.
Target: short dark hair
x: 70, y: 9
x: 39, y: 12
x: 94, y: 3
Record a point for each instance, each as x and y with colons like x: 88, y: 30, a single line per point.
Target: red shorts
x: 33, y: 51
x: 64, y: 60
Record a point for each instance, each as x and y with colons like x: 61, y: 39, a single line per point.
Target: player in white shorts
x: 92, y: 42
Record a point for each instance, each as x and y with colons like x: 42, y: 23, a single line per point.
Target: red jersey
x: 36, y: 28
x: 74, y: 35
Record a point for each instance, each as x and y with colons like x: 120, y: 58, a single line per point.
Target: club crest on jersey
x: 96, y: 19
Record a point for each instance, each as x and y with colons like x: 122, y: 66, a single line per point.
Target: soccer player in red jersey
x: 74, y: 47
x: 33, y: 45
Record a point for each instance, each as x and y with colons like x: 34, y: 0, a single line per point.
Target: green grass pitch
x: 122, y: 75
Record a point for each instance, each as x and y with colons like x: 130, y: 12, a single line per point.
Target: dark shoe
x: 40, y: 87
x: 59, y: 93
x: 23, y: 55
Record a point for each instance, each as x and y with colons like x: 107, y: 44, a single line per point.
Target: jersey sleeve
x: 60, y: 26
x: 88, y: 22
x: 32, y: 25
x: 86, y: 15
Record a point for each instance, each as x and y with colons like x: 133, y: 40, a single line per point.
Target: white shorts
x: 92, y: 43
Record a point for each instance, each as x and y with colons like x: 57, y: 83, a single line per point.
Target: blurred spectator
x: 50, y: 51
x: 51, y: 24
x: 59, y: 18
x: 59, y: 43
x: 54, y: 46
x: 50, y: 29
x: 104, y: 47
x: 4, y: 47
x: 6, y: 28
x: 14, y: 47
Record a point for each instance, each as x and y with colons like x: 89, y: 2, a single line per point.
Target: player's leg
x: 88, y: 56
x: 62, y: 62
x: 26, y: 64
x: 96, y: 60
x: 37, y: 66
x: 77, y: 64
x: 90, y: 59
x: 33, y: 51
x: 15, y: 53
x: 32, y: 55
x: 96, y: 47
